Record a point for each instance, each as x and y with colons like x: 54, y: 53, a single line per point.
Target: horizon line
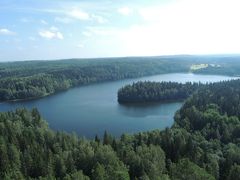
x: 118, y: 57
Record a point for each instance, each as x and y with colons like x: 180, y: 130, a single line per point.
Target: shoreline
x: 71, y: 87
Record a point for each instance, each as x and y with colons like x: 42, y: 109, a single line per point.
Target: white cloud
x: 152, y: 28
x: 5, y: 31
x: 43, y: 22
x: 52, y: 33
x: 20, y: 48
x: 64, y: 20
x: 99, y: 19
x: 185, y: 27
x: 125, y: 11
x: 32, y: 38
x: 26, y: 20
x: 103, y: 31
x: 80, y: 45
x: 79, y: 14
x: 53, y: 28
x: 86, y: 33
x: 71, y: 14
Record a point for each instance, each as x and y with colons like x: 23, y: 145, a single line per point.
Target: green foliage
x: 152, y: 160
x: 185, y: 169
x: 29, y: 149
x: 234, y: 172
x: 34, y: 79
x: 203, y: 143
x: 99, y: 172
x: 76, y: 176
x: 156, y: 91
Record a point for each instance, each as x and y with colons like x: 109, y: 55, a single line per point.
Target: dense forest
x: 148, y: 91
x: 203, y: 143
x: 34, y: 79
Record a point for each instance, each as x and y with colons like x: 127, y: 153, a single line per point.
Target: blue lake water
x: 92, y: 109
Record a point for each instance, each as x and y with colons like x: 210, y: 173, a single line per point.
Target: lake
x: 92, y: 109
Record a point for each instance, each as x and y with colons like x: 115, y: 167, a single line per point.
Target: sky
x: 58, y: 29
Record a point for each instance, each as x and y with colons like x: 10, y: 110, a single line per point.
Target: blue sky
x: 55, y: 29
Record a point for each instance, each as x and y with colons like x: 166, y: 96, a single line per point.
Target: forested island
x: 147, y: 91
x: 35, y: 79
x: 203, y: 143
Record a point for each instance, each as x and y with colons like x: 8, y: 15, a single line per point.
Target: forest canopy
x: 35, y: 79
x: 148, y: 91
x: 203, y: 143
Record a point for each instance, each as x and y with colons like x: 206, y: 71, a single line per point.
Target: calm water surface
x: 89, y: 110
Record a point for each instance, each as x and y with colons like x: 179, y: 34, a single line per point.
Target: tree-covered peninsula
x: 148, y: 91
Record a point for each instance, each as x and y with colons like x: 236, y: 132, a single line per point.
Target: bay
x: 92, y: 109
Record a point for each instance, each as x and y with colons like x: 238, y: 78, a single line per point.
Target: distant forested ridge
x: 34, y: 79
x: 204, y: 143
x: 148, y: 91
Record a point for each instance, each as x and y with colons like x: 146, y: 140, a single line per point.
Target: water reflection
x: 141, y: 110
